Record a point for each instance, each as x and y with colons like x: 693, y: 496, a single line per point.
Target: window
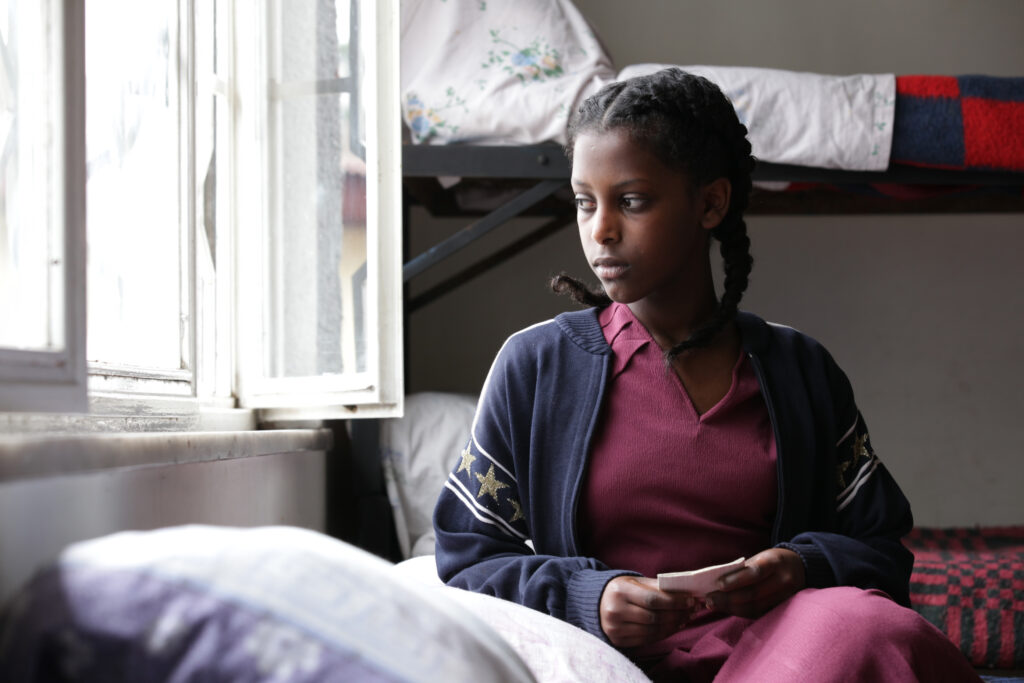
x: 237, y: 255
x: 42, y: 362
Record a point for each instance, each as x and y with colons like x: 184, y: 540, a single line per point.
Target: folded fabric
x: 960, y: 122
x: 806, y: 119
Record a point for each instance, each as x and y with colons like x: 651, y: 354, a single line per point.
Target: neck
x: 673, y: 323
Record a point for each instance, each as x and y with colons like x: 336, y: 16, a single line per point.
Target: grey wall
x: 923, y: 312
x: 39, y: 517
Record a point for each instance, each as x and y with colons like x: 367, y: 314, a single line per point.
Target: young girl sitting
x: 661, y: 430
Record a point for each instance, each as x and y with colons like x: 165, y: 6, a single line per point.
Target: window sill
x: 36, y: 456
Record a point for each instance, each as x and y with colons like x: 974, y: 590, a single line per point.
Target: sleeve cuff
x: 817, y: 570
x: 583, y: 599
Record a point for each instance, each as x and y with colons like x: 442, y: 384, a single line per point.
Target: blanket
x: 959, y: 122
x: 970, y: 584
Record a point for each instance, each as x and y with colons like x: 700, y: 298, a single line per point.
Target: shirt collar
x: 625, y: 334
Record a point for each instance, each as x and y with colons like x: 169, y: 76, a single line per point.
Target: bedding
x: 959, y: 122
x: 555, y: 651
x: 227, y: 604
x: 505, y: 72
x: 509, y: 72
x: 969, y: 582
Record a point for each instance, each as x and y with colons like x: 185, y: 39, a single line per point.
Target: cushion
x: 224, y: 604
x: 418, y: 451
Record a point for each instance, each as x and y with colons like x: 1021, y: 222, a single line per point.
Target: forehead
x: 614, y: 153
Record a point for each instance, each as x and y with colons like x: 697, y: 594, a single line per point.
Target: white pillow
x: 555, y: 651
x: 418, y: 451
x: 226, y: 604
x: 496, y: 72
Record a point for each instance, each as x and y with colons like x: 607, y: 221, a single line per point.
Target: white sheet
x: 555, y: 652
x: 807, y: 119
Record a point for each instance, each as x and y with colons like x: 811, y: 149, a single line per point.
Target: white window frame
x: 56, y: 380
x: 378, y: 392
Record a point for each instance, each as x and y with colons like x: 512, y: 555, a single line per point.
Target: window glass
x: 314, y: 311
x: 31, y: 220
x: 135, y: 304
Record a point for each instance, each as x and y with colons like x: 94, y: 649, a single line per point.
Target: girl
x: 661, y: 430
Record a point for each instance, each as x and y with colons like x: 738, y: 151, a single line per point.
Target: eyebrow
x: 623, y: 183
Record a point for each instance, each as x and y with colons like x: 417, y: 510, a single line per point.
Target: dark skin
x: 645, y: 229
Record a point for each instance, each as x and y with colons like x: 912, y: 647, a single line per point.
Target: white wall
x: 923, y: 312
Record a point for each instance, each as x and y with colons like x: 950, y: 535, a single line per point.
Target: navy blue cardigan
x: 506, y: 519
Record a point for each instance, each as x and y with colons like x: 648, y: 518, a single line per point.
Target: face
x: 643, y: 225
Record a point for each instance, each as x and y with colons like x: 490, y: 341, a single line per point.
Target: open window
x: 237, y: 168
x: 42, y: 204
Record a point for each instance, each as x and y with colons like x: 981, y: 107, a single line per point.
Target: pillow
x: 418, y: 451
x: 224, y: 604
x: 555, y: 651
x: 496, y: 72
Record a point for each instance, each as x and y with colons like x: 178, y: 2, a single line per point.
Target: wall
x: 923, y: 312
x: 56, y: 490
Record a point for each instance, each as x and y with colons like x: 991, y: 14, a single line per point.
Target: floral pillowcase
x: 496, y: 71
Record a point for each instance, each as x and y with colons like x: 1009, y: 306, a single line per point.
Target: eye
x: 583, y: 203
x: 633, y: 202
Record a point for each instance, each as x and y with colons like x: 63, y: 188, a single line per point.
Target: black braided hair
x: 690, y: 125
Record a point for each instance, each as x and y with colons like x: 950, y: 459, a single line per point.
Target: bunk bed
x: 487, y: 89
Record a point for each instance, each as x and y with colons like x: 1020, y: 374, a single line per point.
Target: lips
x: 608, y: 268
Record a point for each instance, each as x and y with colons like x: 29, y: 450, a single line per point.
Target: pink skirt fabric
x: 819, y: 635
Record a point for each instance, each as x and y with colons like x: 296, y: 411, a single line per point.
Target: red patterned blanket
x: 970, y: 584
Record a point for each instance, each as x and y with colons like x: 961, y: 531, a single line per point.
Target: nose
x: 605, y: 226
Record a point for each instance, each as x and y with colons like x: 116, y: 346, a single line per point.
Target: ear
x: 715, y: 202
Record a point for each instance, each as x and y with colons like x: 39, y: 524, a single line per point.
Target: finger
x: 645, y: 593
x: 631, y: 634
x: 751, y: 574
x: 752, y: 600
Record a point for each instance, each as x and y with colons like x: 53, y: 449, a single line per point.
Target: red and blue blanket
x: 959, y: 122
x: 969, y: 582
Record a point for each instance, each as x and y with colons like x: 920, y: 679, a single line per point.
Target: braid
x: 578, y: 291
x: 689, y: 124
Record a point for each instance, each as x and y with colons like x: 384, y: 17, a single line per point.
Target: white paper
x: 698, y: 582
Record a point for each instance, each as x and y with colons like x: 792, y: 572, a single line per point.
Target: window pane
x: 132, y: 142
x: 317, y: 261
x: 31, y: 224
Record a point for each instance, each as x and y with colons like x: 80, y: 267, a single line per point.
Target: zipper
x: 759, y: 371
x: 596, y: 410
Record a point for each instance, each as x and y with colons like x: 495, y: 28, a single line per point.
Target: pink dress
x: 668, y: 489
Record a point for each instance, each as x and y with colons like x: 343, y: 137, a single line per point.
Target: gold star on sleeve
x: 518, y: 514
x: 859, y: 451
x: 490, y: 484
x: 467, y: 460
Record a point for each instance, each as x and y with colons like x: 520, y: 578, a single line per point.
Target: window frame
x: 379, y: 391
x: 56, y: 380
x: 215, y: 385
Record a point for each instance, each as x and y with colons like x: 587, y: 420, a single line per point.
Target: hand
x: 634, y: 612
x: 766, y: 579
